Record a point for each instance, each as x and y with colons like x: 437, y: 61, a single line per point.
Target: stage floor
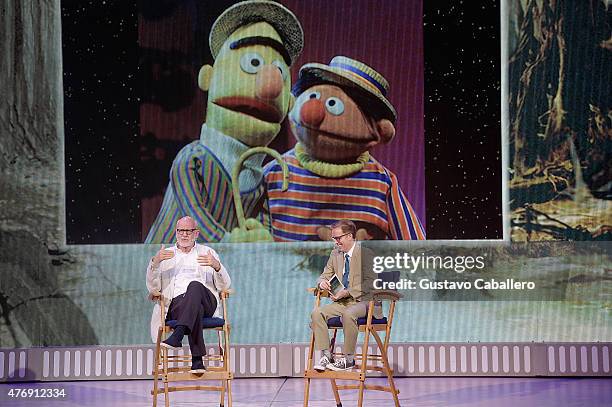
x: 279, y: 392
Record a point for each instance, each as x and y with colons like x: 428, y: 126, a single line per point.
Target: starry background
x: 107, y: 157
x: 101, y: 96
x: 462, y: 120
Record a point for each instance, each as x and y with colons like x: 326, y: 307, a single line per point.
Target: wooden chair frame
x: 168, y: 374
x: 367, y: 362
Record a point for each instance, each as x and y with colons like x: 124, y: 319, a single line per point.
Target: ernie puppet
x: 340, y: 114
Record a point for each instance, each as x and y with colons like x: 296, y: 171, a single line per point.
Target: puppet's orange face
x: 331, y: 126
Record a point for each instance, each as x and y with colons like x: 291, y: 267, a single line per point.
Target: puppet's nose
x: 269, y: 83
x: 312, y: 113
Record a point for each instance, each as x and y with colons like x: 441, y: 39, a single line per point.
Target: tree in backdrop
x: 560, y: 71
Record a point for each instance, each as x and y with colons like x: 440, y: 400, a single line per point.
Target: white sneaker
x: 341, y: 364
x: 323, y: 363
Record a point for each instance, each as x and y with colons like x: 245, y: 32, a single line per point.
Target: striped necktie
x: 347, y: 269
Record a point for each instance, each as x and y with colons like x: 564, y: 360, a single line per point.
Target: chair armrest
x: 386, y: 295
x: 317, y: 291
x: 154, y: 296
x: 227, y: 293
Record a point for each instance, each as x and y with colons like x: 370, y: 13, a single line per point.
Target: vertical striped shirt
x: 371, y: 196
x: 201, y: 187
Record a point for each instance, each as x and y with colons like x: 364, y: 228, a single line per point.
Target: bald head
x: 186, y: 222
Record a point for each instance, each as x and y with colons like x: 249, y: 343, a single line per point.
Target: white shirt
x: 186, y: 267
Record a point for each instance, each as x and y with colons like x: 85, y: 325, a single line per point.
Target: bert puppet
x: 249, y: 94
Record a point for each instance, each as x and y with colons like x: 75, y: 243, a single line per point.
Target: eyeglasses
x: 338, y: 238
x: 185, y: 231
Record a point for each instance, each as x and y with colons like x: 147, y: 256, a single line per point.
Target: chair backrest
x: 387, y: 295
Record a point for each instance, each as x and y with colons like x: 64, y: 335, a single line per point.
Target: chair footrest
x: 160, y: 390
x: 176, y: 369
x: 330, y: 374
x: 367, y: 387
x: 208, y: 375
x: 187, y: 358
x: 371, y: 368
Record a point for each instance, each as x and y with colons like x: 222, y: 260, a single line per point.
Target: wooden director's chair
x: 173, y: 368
x: 367, y: 362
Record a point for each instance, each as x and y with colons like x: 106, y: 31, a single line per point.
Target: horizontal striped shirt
x: 371, y: 198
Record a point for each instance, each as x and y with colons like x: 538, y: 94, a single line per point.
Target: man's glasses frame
x: 338, y: 238
x: 185, y: 231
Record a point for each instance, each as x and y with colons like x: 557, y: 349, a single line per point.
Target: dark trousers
x: 188, y: 309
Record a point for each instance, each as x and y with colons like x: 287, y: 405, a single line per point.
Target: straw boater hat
x: 346, y: 72
x: 253, y: 11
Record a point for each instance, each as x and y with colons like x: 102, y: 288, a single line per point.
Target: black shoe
x: 176, y: 339
x: 197, y: 366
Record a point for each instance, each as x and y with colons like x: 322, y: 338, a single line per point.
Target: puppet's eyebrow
x: 266, y: 41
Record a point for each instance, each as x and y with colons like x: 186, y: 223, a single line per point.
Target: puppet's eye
x: 314, y: 95
x: 251, y: 62
x: 281, y: 67
x: 334, y: 106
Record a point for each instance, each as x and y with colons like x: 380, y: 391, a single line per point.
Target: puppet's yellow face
x: 249, y: 86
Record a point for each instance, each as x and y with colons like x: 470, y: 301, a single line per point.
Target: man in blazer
x: 349, y: 303
x: 189, y: 276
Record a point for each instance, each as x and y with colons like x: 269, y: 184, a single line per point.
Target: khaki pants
x: 349, y: 311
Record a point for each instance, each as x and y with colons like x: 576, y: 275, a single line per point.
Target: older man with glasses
x: 189, y: 276
x: 345, y: 262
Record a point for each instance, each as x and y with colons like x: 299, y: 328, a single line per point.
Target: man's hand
x: 162, y: 255
x: 324, y: 285
x: 341, y: 294
x: 209, y: 260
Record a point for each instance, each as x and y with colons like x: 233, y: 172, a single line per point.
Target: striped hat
x: 347, y: 72
x: 254, y: 11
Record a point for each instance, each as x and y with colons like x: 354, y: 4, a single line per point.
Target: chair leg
x: 155, y: 377
x: 364, y: 364
x: 336, y: 393
x: 309, y: 364
x: 165, y: 381
x: 156, y: 372
x: 223, y: 385
x: 226, y: 363
x: 220, y: 342
x: 387, y: 368
x: 229, y: 393
x: 332, y: 342
x: 306, y: 391
x: 361, y: 389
